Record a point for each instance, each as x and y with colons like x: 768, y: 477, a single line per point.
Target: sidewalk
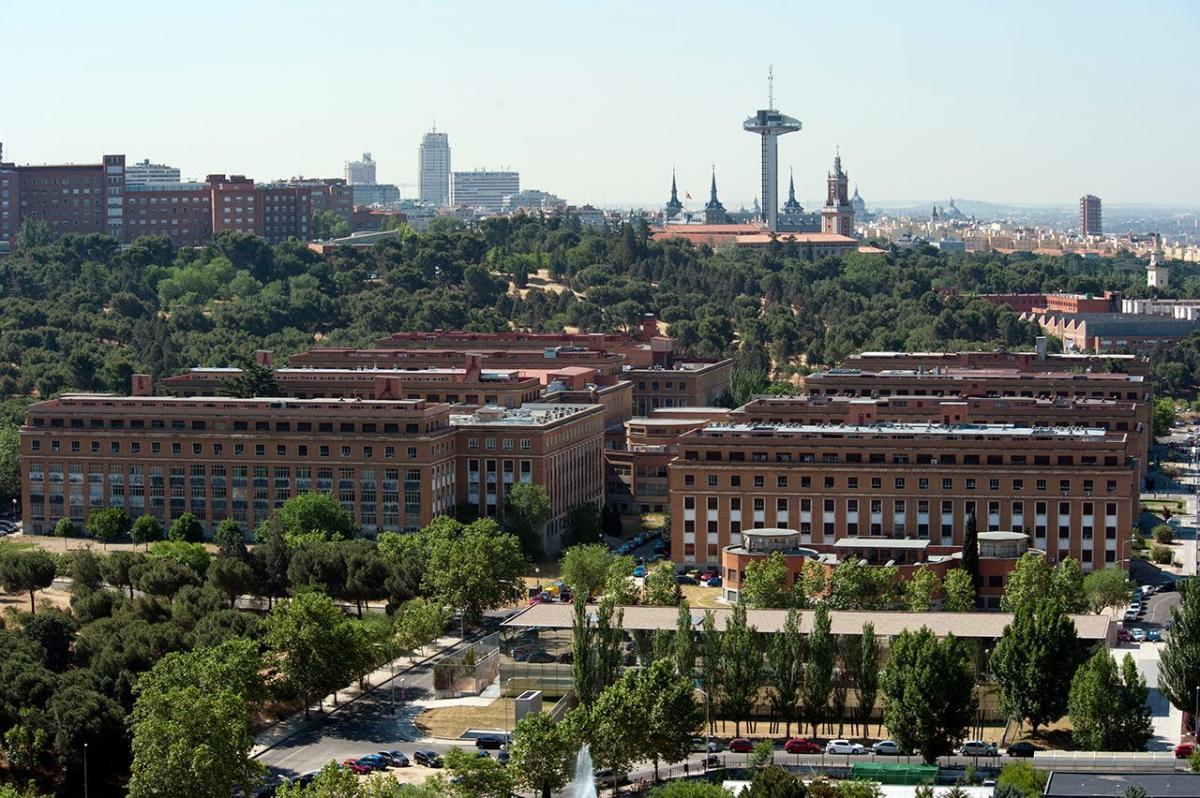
x: 292, y: 725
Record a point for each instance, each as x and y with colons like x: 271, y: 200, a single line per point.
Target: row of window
x: 197, y: 425
x: 900, y: 458
x: 898, y: 483
x: 238, y: 449
x: 899, y: 506
x: 1134, y: 396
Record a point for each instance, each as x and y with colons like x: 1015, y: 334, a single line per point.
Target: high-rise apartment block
x: 483, y: 190
x: 144, y: 172
x: 433, y: 173
x: 1090, y: 221
x: 360, y: 173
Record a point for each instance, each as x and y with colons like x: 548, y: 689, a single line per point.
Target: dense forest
x: 82, y: 313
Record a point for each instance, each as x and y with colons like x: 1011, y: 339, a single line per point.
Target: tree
x: 1034, y: 661
x: 867, y: 680
x: 775, y: 782
x: 315, y: 513
x: 1163, y: 533
x: 146, y: 530
x: 526, y: 510
x: 479, y: 569
x: 54, y: 632
x: 959, y: 592
x: 684, y: 642
x: 854, y: 585
x: 615, y: 742
x: 475, y: 776
x: 33, y: 233
x: 1066, y: 586
x: 584, y: 664
x: 1023, y: 777
x: 929, y: 693
x: 1179, y: 660
x: 316, y: 642
x: 186, y: 529
x: 659, y: 588
x: 230, y: 540
x: 84, y: 569
x: 108, y: 524
x: 671, y: 715
x: 689, y: 789
x: 191, y: 729
x: 1108, y: 707
x: 1028, y: 583
x: 541, y: 754
x: 27, y: 571
x: 419, y: 622
x: 1164, y: 417
x: 163, y: 577
x: 970, y: 552
x: 10, y: 462
x: 583, y: 524
x: 63, y: 528
x: 366, y: 574
x: 1107, y: 587
x: 818, y: 669
x: 765, y: 583
x: 619, y: 585
x: 609, y: 640
x: 741, y: 667
x: 921, y: 588
x: 193, y: 555
x: 712, y: 645
x: 785, y: 655
x: 327, y: 225
x: 118, y: 568
x: 232, y: 577
x: 270, y: 560
x: 585, y: 568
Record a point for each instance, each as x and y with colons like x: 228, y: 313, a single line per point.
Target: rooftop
x: 898, y: 428
x: 986, y: 625
x: 952, y: 373
x: 528, y: 415
x: 1064, y: 784
x: 914, y: 544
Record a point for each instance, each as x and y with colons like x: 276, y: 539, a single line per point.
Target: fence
x: 468, y: 672
x: 1103, y: 761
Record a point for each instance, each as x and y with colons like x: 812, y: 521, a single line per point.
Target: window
x: 923, y: 484
x: 970, y: 484
x: 781, y: 482
x: 712, y: 480
x: 852, y: 483
x: 735, y: 481
x: 947, y: 483
x: 689, y: 480
x: 759, y: 481
x: 829, y: 482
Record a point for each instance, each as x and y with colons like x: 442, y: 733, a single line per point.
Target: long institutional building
x: 881, y: 464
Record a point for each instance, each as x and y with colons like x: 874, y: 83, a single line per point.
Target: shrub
x: 1163, y: 533
x: 1161, y: 554
x: 63, y: 528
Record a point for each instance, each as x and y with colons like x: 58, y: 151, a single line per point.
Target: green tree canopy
x: 186, y: 529
x: 1034, y: 662
x: 27, y: 571
x: 1108, y: 706
x: 108, y: 524
x: 317, y: 645
x: 929, y: 693
x: 315, y: 514
x: 526, y: 510
x: 959, y: 592
x: 585, y: 568
x: 542, y: 754
x: 764, y: 585
x: 473, y: 568
x: 146, y: 530
x: 1105, y: 588
x: 1179, y: 660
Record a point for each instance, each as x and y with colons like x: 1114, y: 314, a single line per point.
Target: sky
x: 1014, y: 102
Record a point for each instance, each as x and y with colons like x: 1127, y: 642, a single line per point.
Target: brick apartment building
x: 679, y: 383
x: 78, y: 199
x: 542, y: 362
x: 1075, y: 490
x: 394, y: 464
x: 1022, y: 361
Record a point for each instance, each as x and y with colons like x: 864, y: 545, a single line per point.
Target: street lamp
x: 537, y: 570
x: 85, y: 772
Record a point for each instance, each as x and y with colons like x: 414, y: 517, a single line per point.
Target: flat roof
x: 988, y: 625
x: 225, y: 401
x: 1067, y: 784
x: 529, y: 414
x: 894, y: 428
x: 966, y: 373
x: 881, y: 543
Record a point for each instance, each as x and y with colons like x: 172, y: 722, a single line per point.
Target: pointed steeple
x: 674, y: 206
x: 713, y: 202
x: 792, y: 204
x: 714, y: 211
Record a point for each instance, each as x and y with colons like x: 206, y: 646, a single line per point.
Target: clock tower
x: 838, y: 214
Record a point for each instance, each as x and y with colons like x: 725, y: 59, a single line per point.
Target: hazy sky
x: 1033, y: 102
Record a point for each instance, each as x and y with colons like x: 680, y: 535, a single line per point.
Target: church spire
x: 792, y: 204
x: 674, y: 206
x: 714, y: 211
x: 712, y: 196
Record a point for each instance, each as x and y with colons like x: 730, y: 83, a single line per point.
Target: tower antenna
x: 770, y: 87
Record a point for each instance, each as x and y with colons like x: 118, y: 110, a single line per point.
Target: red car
x: 355, y: 768
x: 797, y: 745
x: 740, y: 745
x: 1184, y: 750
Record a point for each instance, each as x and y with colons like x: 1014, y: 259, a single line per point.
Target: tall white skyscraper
x: 484, y: 190
x: 360, y: 173
x: 434, y: 170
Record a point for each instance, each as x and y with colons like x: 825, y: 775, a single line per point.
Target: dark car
x: 502, y: 757
x: 375, y: 761
x: 397, y: 758
x: 489, y: 741
x: 740, y: 745
x: 540, y: 657
x: 1024, y: 749
x: 686, y: 580
x: 429, y: 759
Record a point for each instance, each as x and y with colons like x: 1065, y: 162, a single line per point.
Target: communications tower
x: 770, y: 125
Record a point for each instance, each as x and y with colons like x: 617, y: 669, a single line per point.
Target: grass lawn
x: 451, y: 722
x: 701, y: 596
x: 8, y: 546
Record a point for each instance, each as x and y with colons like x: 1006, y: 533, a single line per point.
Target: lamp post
x: 85, y: 771
x: 392, y: 656
x: 537, y: 570
x: 707, y: 725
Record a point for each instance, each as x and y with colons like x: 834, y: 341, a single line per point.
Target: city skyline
x: 912, y: 99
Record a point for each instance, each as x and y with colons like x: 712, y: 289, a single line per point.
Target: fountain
x: 584, y: 783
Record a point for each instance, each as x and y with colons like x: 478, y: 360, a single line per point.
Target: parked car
x: 1138, y: 634
x: 398, y: 758
x: 490, y: 741
x: 1184, y: 750
x: 709, y: 574
x: 977, y: 748
x: 714, y: 582
x: 1022, y: 749
x: 639, y: 571
x: 374, y: 762
x: 1130, y: 615
x: 1154, y: 635
x: 886, y: 748
x: 843, y: 747
x: 684, y: 579
x: 354, y: 767
x: 798, y: 745
x: 1123, y: 635
x: 429, y: 759
x: 540, y: 657
x: 740, y: 745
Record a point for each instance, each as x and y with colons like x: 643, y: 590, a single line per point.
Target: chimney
x: 649, y: 326
x: 264, y: 357
x: 1040, y: 346
x: 141, y: 385
x: 472, y: 372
